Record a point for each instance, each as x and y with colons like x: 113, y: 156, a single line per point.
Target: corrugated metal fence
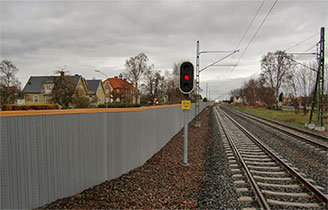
x: 45, y: 157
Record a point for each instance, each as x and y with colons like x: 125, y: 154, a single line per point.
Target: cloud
x: 39, y: 36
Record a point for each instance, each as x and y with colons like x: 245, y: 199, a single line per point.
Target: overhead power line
x: 247, y: 29
x: 303, y: 65
x: 250, y: 24
x: 313, y: 46
x: 249, y: 43
x: 301, y: 42
x: 215, y: 62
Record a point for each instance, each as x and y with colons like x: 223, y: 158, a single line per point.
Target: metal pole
x: 106, y: 102
x: 321, y: 82
x: 206, y: 90
x: 318, y: 96
x: 197, y: 124
x: 185, y: 139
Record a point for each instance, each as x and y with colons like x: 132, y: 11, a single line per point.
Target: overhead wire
x: 249, y: 43
x: 248, y: 27
x: 301, y: 42
x: 250, y: 24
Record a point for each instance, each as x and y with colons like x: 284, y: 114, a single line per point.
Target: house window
x: 47, y: 99
x: 107, y: 91
x: 117, y: 90
x: 48, y: 87
x: 99, y: 99
x: 36, y: 99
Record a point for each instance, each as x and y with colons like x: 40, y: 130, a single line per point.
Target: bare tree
x: 83, y: 101
x: 118, y: 95
x: 277, y: 69
x: 256, y: 90
x: 236, y: 92
x: 135, y: 68
x: 9, y: 84
x: 64, y: 88
x: 249, y: 92
x: 304, y: 81
x: 171, y: 85
x: 153, y: 83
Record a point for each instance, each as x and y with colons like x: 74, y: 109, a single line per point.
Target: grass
x: 288, y: 117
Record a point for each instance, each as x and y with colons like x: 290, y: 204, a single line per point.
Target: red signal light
x: 186, y: 77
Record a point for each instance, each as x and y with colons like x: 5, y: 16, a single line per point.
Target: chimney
x: 62, y: 73
x: 116, y: 77
x: 120, y: 76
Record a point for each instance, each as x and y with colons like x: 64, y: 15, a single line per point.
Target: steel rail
x: 317, y: 193
x: 258, y: 193
x: 256, y: 118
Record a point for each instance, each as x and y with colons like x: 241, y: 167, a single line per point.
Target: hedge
x: 13, y: 107
x: 118, y: 105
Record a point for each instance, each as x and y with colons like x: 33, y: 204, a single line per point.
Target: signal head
x: 186, y: 77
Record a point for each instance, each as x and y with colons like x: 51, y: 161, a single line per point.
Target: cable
x: 301, y: 41
x: 313, y: 46
x: 249, y: 43
x: 250, y: 24
x: 248, y: 27
x: 303, y: 65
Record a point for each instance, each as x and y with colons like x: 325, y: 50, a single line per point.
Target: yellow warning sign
x: 185, y: 104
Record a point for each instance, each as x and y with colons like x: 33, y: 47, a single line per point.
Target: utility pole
x: 318, y: 96
x: 197, y: 124
x: 107, y: 99
x: 198, y: 71
x: 206, y: 90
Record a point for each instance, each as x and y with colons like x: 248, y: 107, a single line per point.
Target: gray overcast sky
x: 40, y: 36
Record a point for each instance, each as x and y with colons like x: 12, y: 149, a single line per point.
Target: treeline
x: 155, y: 86
x: 281, y: 76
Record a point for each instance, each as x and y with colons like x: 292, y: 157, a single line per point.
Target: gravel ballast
x: 219, y: 191
x: 162, y: 182
x: 308, y: 160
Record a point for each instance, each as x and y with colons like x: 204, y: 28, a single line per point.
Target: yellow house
x: 38, y: 89
x: 96, y: 92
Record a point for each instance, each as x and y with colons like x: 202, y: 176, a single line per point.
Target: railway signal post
x: 186, y: 87
x: 318, y: 96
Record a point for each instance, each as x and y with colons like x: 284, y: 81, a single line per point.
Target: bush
x: 81, y: 102
x: 118, y: 105
x: 13, y: 107
x: 143, y: 103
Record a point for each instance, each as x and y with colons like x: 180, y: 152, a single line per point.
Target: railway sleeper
x: 294, y: 204
x: 270, y: 172
x: 256, y: 156
x: 274, y: 178
x: 290, y: 186
x: 270, y: 163
x: 264, y: 167
x: 257, y: 159
x: 298, y: 195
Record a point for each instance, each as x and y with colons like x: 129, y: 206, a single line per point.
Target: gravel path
x: 304, y: 157
x: 162, y: 182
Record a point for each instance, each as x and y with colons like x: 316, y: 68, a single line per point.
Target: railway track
x: 274, y: 183
x: 312, y: 138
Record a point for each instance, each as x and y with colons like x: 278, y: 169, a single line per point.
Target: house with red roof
x: 118, y: 89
